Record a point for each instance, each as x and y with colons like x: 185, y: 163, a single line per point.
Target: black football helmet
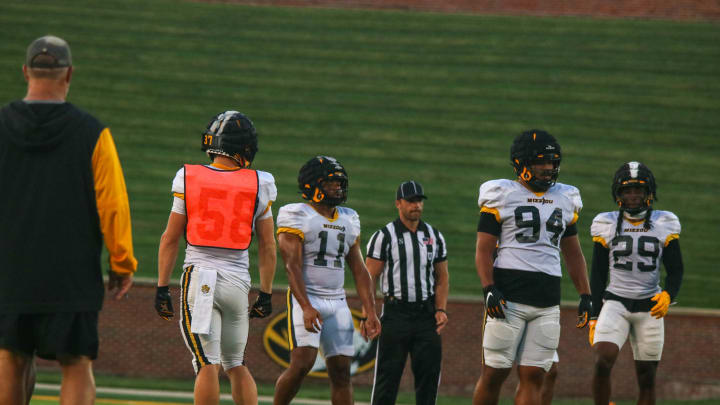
x: 532, y: 146
x: 633, y: 174
x: 231, y: 134
x: 317, y: 170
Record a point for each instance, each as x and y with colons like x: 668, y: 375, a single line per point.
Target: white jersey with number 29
x: 532, y: 224
x: 635, y: 254
x: 326, y: 242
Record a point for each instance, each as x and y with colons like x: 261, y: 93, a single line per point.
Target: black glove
x: 163, y: 303
x: 584, y: 310
x: 494, y: 301
x: 262, y: 306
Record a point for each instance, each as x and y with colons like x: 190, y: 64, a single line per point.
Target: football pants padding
x: 647, y: 334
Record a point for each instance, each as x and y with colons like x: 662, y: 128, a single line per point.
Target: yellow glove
x: 663, y: 303
x: 591, y: 333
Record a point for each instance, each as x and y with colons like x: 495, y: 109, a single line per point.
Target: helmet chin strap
x: 635, y: 217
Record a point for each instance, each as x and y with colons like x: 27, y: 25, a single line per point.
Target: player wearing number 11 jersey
x: 528, y: 222
x: 316, y: 239
x: 630, y: 244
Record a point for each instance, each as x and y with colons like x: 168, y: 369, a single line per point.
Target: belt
x: 632, y: 305
x: 420, y: 306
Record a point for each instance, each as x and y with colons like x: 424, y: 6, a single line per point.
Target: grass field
x: 308, y: 391
x: 397, y: 95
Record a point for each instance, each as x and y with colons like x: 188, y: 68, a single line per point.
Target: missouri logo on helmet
x: 315, y: 172
x: 532, y: 147
x: 231, y: 134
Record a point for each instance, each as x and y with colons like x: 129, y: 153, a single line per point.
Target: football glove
x: 494, y: 301
x: 262, y: 306
x: 591, y: 333
x: 584, y: 310
x: 163, y: 303
x: 663, y: 303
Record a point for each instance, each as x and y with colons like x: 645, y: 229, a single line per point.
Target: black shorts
x: 49, y: 336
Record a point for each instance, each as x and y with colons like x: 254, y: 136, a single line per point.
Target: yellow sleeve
x: 600, y: 240
x: 292, y: 231
x: 112, y: 204
x: 575, y: 218
x: 493, y: 211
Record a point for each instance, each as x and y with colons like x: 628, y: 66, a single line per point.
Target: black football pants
x: 407, y: 330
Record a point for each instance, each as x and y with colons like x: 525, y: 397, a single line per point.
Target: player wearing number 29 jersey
x: 326, y: 241
x: 630, y: 244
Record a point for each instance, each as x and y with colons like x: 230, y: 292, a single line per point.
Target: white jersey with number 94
x: 326, y: 242
x: 532, y: 225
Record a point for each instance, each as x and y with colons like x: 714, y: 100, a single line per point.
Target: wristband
x: 362, y: 319
x: 441, y: 310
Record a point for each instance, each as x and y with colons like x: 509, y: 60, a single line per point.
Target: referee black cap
x: 410, y: 189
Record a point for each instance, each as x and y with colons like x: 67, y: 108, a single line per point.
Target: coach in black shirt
x: 410, y: 259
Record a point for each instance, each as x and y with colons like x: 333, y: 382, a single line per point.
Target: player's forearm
x: 267, y: 255
x: 579, y: 277
x: 267, y: 264
x: 484, y: 249
x: 672, y: 259
x: 297, y: 285
x: 167, y: 255
x: 575, y: 262
x: 599, y: 276
x: 365, y: 291
x: 484, y: 267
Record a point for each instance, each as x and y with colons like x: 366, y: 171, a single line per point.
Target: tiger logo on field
x: 275, y: 341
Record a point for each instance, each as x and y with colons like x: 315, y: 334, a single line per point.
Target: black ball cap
x: 48, y: 52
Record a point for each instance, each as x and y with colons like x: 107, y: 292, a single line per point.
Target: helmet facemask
x: 624, y: 202
x: 315, y: 175
x: 536, y: 147
x: 634, y: 174
x: 539, y: 180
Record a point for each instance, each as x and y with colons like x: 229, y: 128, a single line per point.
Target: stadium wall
x: 663, y: 9
x: 135, y: 342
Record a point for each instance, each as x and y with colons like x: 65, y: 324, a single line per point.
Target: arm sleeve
x: 178, y: 190
x: 672, y: 259
x: 570, y: 231
x: 599, y: 276
x: 267, y: 193
x: 376, y: 247
x: 112, y: 204
x: 488, y: 223
x: 442, y: 248
x: 290, y: 219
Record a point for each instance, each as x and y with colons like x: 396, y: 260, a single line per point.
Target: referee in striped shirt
x: 410, y: 258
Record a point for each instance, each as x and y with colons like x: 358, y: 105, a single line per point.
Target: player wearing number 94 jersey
x: 316, y: 239
x: 630, y: 244
x: 528, y: 223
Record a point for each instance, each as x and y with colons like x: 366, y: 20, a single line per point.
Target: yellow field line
x: 101, y: 401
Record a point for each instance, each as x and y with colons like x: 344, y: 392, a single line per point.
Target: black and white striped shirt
x: 409, y: 257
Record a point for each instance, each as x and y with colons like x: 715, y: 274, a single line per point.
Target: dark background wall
x: 134, y: 341
x: 665, y: 9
